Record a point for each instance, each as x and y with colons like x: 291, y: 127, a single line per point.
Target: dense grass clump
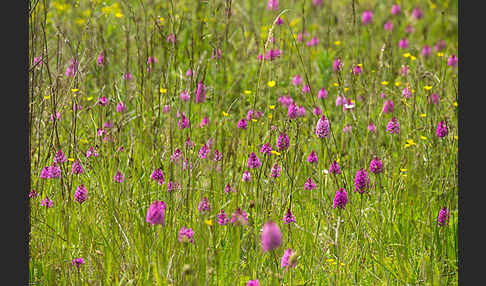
x: 245, y: 142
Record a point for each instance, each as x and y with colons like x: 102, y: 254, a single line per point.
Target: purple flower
x: 204, y: 122
x: 103, y: 101
x: 246, y: 177
x: 176, y: 155
x: 376, y: 165
x: 372, y: 127
x: 395, y: 10
x: 279, y: 21
x: 323, y: 127
x: 204, y: 206
x: 357, y: 70
x: 334, y: 168
x: 312, y: 157
x: 76, y: 168
x: 204, y: 151
x: 151, y: 60
x: 37, y: 60
x: 305, y: 88
x: 200, y: 93
x: 317, y: 2
x: 388, y: 26
x: 217, y: 155
x: 297, y: 80
x: 340, y: 199
x: 292, y: 111
x: 289, y: 259
x: 266, y: 149
x: 228, y: 188
x: 283, y: 141
x: 272, y: 54
x: 81, y: 194
x: 403, y: 43
x: 100, y: 61
x: 91, y: 152
x: 239, y: 217
x: 222, y: 218
x: 314, y: 41
x: 107, y: 125
x: 347, y: 128
x: 288, y: 217
x: 409, y: 29
x: 272, y: 5
x: 406, y: 92
x: 253, y: 161
x: 183, y: 121
x: 322, y: 93
x: 441, y: 130
x: 340, y: 100
x: 417, y: 13
x: 388, y: 106
x: 440, y: 45
x: 171, y: 38
x: 242, y: 124
x: 47, y: 202
x: 367, y: 17
x: 127, y: 76
x: 404, y: 70
x: 271, y: 236
x: 77, y: 262
x: 189, y: 72
x: 253, y: 283
x: 426, y: 50
x: 452, y: 61
x: 309, y: 184
x: 434, y: 97
x: 33, y: 194
x: 57, y: 117
x: 172, y: 186
x: 361, y: 181
x: 50, y: 172
x: 72, y: 68
x: 119, y: 178
x: 158, y: 176
x: 443, y: 217
x: 59, y: 157
x: 317, y: 111
x: 393, y: 126
x: 337, y: 65
x: 186, y: 235
x: 275, y: 173
x: 121, y: 107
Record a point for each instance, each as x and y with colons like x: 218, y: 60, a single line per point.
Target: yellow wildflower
x: 208, y: 222
x: 271, y: 83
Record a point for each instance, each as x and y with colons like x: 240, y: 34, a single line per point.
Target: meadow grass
x: 389, y: 235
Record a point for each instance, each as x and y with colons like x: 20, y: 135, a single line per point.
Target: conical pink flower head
x: 441, y: 130
x: 156, y: 213
x: 340, y: 199
x: 271, y: 236
x: 322, y: 127
x: 253, y: 161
